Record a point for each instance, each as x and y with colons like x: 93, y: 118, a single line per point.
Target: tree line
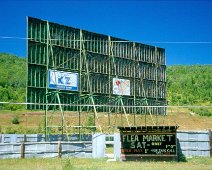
x: 12, y: 80
x: 189, y: 85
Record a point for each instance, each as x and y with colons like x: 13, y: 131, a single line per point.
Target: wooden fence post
x: 59, y: 149
x: 22, y: 150
x: 210, y: 141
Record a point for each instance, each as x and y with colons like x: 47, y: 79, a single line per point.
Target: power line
x: 122, y: 41
x: 87, y: 105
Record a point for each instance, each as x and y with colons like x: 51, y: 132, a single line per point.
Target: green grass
x: 12, y: 112
x: 102, y: 164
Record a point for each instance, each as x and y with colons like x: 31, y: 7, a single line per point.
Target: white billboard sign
x: 121, y: 86
x: 63, y: 80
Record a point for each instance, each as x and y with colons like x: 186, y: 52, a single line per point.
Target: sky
x: 182, y: 27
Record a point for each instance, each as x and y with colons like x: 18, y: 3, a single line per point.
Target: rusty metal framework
x: 97, y: 59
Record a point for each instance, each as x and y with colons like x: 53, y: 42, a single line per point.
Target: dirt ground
x: 184, y: 118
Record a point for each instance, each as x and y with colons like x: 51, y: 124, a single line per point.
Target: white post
x: 117, y: 146
x: 98, y: 145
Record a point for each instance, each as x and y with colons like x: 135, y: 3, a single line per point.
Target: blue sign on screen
x: 63, y: 80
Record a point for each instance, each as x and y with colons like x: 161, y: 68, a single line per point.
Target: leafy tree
x: 192, y: 83
x: 12, y: 80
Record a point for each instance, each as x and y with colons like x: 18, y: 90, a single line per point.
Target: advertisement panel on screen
x: 121, y: 86
x: 63, y: 80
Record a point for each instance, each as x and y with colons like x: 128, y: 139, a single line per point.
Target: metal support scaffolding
x: 110, y: 71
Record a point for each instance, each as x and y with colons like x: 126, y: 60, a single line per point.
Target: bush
x: 15, y: 120
x: 202, y: 111
x: 90, y: 122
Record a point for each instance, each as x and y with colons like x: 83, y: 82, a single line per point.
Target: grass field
x: 198, y: 163
x: 32, y: 120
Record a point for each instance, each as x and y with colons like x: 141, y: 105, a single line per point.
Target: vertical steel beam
x: 80, y: 82
x: 156, y: 84
x: 109, y: 78
x: 27, y: 53
x: 47, y: 74
x: 134, y: 80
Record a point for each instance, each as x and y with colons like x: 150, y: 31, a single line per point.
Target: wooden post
x: 59, y: 149
x: 22, y: 150
x: 25, y: 138
x: 210, y: 141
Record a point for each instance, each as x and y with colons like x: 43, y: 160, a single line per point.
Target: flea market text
x: 159, y: 144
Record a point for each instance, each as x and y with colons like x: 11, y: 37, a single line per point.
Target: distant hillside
x: 12, y: 80
x: 189, y: 85
x: 186, y: 85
